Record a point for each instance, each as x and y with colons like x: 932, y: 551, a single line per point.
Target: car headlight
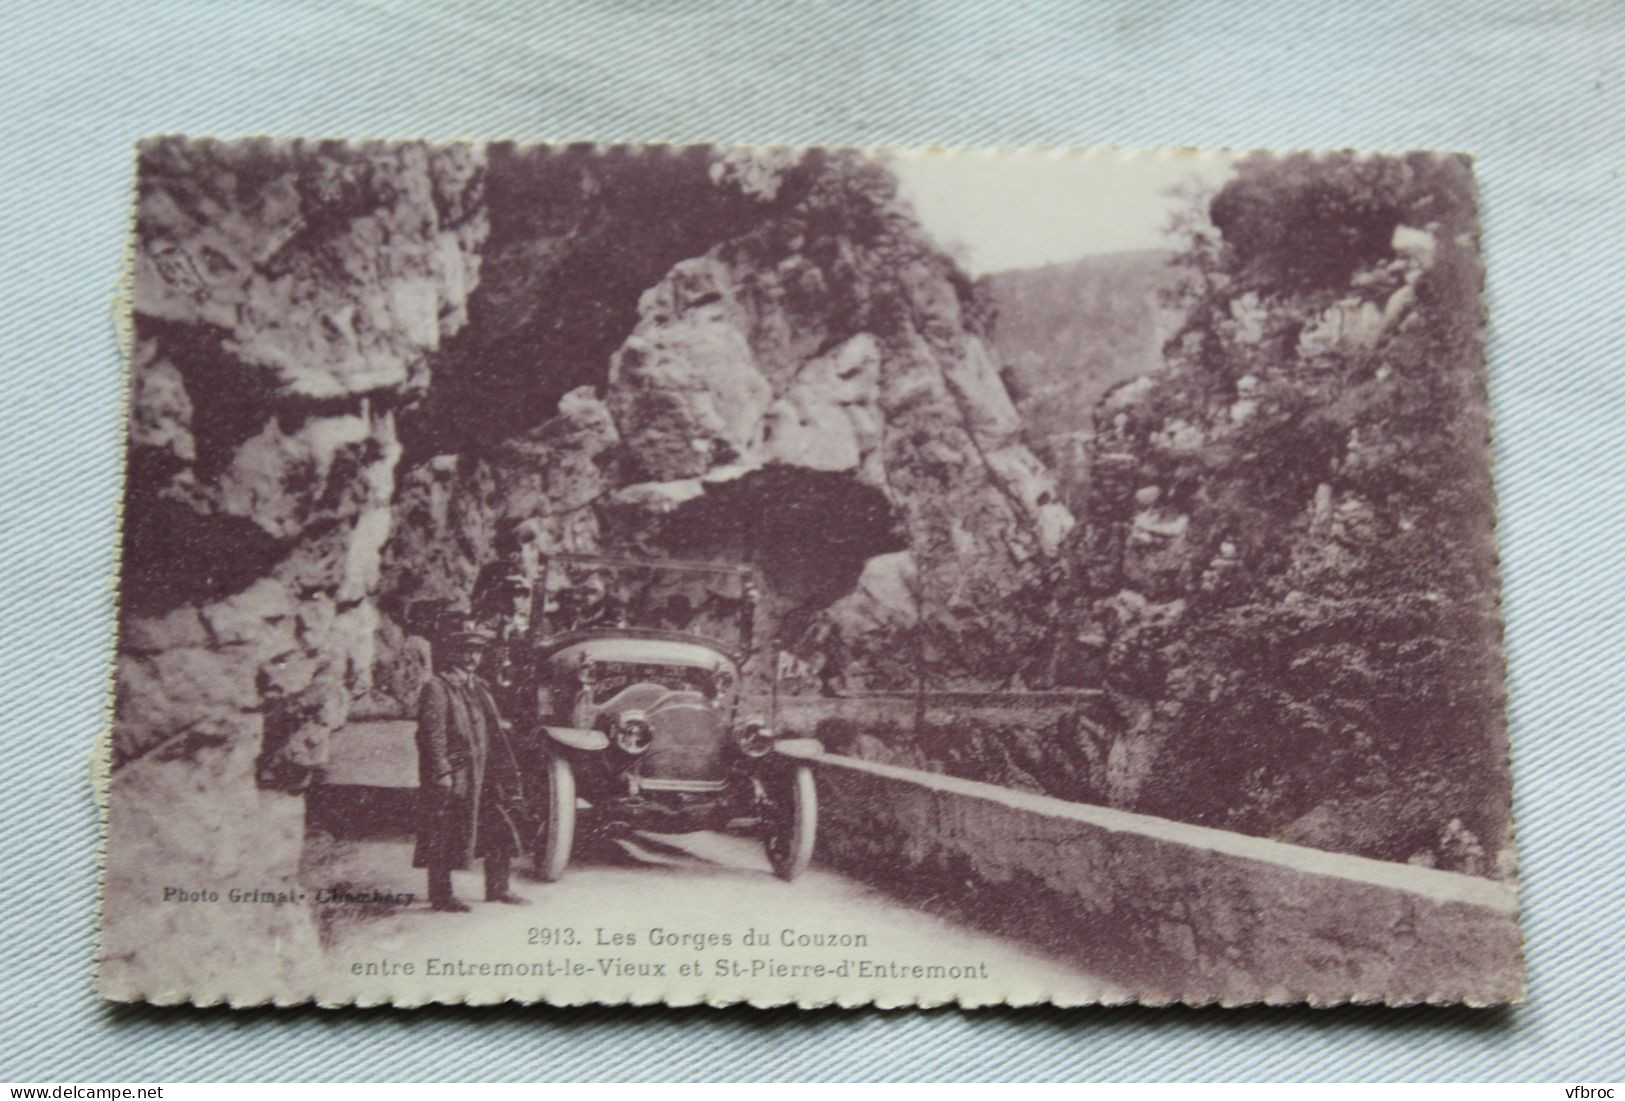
x: 755, y: 737
x: 632, y: 732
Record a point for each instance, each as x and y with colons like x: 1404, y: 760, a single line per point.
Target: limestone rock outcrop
x: 286, y: 299
x: 720, y: 381
x: 803, y: 391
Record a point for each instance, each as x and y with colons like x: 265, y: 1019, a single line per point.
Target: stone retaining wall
x: 1175, y: 911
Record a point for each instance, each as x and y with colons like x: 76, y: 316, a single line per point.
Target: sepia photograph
x: 699, y: 574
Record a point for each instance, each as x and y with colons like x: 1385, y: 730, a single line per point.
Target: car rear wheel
x: 793, y: 824
x: 558, y: 814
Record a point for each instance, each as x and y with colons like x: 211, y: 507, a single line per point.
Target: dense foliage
x: 1314, y: 464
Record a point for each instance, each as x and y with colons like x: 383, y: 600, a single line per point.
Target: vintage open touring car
x: 629, y: 684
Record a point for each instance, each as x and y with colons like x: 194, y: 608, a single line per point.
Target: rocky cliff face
x: 802, y: 390
x: 361, y: 373
x: 286, y: 301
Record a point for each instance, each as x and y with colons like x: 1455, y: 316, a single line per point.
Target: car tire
x: 794, y: 829
x: 558, y: 813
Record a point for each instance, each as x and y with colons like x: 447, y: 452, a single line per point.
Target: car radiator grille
x: 688, y: 743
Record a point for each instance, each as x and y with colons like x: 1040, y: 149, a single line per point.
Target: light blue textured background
x: 1533, y: 88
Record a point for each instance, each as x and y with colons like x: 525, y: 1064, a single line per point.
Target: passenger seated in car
x: 589, y: 603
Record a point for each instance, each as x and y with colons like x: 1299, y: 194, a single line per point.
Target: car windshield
x: 712, y: 601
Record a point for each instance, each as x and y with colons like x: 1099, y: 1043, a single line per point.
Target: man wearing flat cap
x: 471, y: 804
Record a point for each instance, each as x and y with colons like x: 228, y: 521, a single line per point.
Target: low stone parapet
x: 1175, y: 911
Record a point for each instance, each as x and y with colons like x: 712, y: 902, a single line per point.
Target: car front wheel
x: 558, y: 814
x: 793, y: 824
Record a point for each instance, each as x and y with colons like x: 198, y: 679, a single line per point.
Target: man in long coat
x: 471, y: 804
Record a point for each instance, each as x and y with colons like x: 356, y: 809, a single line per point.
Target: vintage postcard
x: 601, y: 574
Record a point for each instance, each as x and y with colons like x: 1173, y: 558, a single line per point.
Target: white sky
x: 996, y: 211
